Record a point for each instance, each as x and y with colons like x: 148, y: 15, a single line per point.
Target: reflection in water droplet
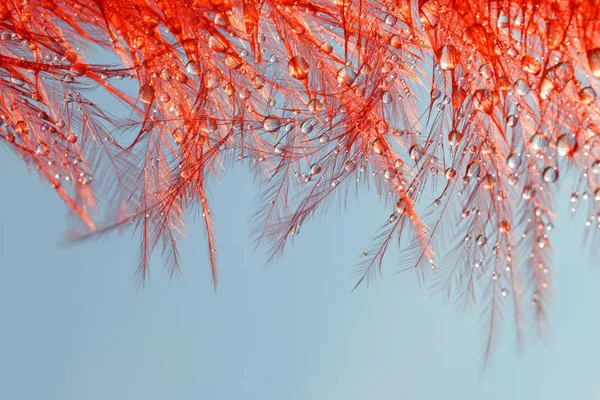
x: 473, y: 169
x: 587, y: 95
x: 455, y: 137
x: 513, y: 161
x: 416, y: 152
x: 565, y: 144
x: 594, y: 61
x: 146, y: 94
x: 550, y: 174
x: 271, y: 123
x: 346, y: 76
x: 539, y: 142
x: 298, y: 68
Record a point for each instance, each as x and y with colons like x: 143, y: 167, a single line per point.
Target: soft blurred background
x: 76, y: 326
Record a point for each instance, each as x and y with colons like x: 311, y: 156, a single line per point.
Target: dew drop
x: 315, y: 106
x: 146, y: 94
x: 513, y: 161
x: 279, y: 148
x: 473, y: 169
x: 193, y: 68
x: 416, y: 152
x: 587, y: 95
x: 298, y: 68
x: 539, y: 142
x: 271, y: 123
x: 21, y: 128
x: 550, y: 174
x: 594, y: 61
x: 346, y: 76
x: 350, y: 165
x: 565, y: 145
x: 455, y: 137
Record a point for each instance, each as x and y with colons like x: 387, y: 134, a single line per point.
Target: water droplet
x: 513, y: 161
x: 565, y: 145
x: 594, y: 61
x: 473, y: 169
x: 307, y: 126
x: 386, y: 97
x: 271, y: 123
x: 350, y: 165
x: 449, y: 57
x: 279, y: 148
x: 481, y: 240
x: 401, y: 207
x: 484, y: 100
x: 450, y: 173
x: 539, y: 142
x: 21, y: 128
x: 485, y: 71
x: 78, y: 69
x: 587, y: 95
x: 455, y: 137
x: 504, y: 292
x: 42, y: 149
x: 504, y: 226
x: 416, y: 152
x: 146, y: 94
x: 378, y: 147
x: 315, y: 106
x: 179, y: 136
x: 346, y: 76
x: 488, y: 182
x: 72, y: 138
x: 522, y: 88
x: 298, y: 68
x: 550, y: 174
x: 315, y: 169
x: 193, y: 68
x: 528, y: 192
x: 531, y: 65
x: 512, y: 120
x: 326, y: 47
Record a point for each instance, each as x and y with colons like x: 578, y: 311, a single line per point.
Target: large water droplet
x: 271, y: 123
x: 279, y: 148
x: 531, y: 65
x: 587, y: 95
x: 298, y: 68
x: 346, y: 76
x: 146, y: 94
x: 484, y: 101
x: 565, y: 145
x: 449, y: 57
x: 21, y: 128
x: 473, y: 169
x: 454, y: 137
x: 513, y: 161
x: 416, y: 152
x: 539, y: 141
x: 550, y: 174
x: 594, y: 61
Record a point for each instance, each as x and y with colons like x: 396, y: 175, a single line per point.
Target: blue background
x: 75, y: 326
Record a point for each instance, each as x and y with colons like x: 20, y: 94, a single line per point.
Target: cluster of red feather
x: 464, y: 114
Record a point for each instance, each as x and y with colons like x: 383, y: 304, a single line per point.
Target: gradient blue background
x: 75, y: 326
